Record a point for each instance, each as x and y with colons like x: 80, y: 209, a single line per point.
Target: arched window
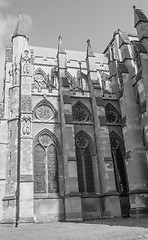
x: 45, y: 165
x: 44, y: 111
x: 80, y: 112
x: 112, y: 115
x: 84, y: 164
x: 39, y: 169
x: 40, y: 79
x: 117, y: 148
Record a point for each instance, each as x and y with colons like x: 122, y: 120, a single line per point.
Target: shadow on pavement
x: 129, y: 222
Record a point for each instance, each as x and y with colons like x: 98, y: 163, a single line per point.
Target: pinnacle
x: 60, y: 47
x: 20, y: 28
x: 139, y: 16
x: 89, y: 49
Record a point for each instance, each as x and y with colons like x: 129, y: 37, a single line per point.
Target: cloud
x: 7, y: 28
x: 5, y: 3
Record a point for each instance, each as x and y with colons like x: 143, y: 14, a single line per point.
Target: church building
x: 74, y: 130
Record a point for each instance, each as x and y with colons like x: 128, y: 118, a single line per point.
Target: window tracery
x: 45, y: 165
x: 44, y: 111
x: 84, y: 164
x: 111, y: 116
x: 80, y: 113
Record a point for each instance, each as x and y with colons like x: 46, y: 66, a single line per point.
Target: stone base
x: 139, y: 212
x: 111, y: 205
x: 73, y: 211
x: 8, y: 222
x: 26, y: 220
x: 138, y: 203
x: 90, y: 208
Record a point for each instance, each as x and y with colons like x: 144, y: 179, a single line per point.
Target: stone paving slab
x: 104, y: 229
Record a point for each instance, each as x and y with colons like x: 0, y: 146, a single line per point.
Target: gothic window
x: 117, y: 149
x: 45, y: 165
x: 40, y: 79
x: 80, y: 113
x: 39, y: 169
x: 84, y: 165
x: 112, y: 115
x: 44, y: 111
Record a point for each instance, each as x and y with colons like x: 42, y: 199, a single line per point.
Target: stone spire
x: 60, y: 47
x: 89, y: 50
x: 20, y: 28
x: 139, y: 16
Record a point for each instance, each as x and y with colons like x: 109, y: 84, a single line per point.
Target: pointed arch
x: 90, y: 141
x: 47, y: 152
x: 54, y: 139
x: 41, y: 71
x: 81, y: 112
x: 84, y: 153
x: 112, y: 114
x: 118, y: 152
x: 45, y: 110
x: 114, y: 136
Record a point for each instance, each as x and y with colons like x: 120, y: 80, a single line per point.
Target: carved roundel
x: 79, y: 114
x: 111, y: 116
x: 45, y: 140
x: 44, y: 112
x: 114, y: 143
x: 82, y: 142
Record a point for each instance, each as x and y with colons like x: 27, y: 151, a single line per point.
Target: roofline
x: 113, y: 38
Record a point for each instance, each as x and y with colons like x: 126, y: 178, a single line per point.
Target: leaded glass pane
x: 89, y: 171
x: 111, y: 116
x: 79, y: 114
x: 80, y: 169
x: 39, y: 170
x: 52, y: 170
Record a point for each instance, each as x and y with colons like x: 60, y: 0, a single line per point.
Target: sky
x: 75, y: 20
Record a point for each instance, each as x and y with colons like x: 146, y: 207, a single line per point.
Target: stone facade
x: 74, y: 130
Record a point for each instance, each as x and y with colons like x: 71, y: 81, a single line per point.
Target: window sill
x: 89, y: 195
x: 47, y: 196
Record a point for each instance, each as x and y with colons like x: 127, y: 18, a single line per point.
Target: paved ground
x: 113, y: 229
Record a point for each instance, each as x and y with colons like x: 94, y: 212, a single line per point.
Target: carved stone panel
x: 26, y: 60
x: 26, y: 125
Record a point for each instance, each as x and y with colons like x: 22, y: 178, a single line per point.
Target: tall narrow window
x: 52, y: 169
x: 39, y: 170
x: 45, y: 166
x: 119, y: 165
x: 84, y: 165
